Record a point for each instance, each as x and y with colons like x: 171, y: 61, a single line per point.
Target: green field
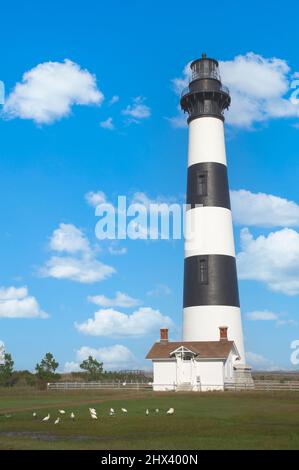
x: 252, y: 420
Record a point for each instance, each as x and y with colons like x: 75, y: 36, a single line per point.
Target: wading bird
x: 46, y: 418
x: 124, y: 410
x: 72, y: 415
x: 62, y: 412
x: 57, y: 421
x: 170, y: 411
x: 147, y: 412
x: 34, y: 414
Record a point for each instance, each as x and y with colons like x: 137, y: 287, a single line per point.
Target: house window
x: 203, y: 270
x: 202, y: 184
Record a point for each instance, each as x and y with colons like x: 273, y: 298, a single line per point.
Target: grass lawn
x: 223, y: 420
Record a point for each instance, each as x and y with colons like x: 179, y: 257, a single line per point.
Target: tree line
x: 45, y: 371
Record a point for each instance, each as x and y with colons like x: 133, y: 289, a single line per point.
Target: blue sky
x: 136, y: 52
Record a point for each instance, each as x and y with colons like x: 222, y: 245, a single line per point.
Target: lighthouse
x: 211, y: 297
x: 210, y: 355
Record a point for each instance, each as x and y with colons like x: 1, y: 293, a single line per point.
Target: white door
x: 186, y: 371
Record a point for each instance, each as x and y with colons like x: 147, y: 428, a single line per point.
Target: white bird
x: 93, y: 410
x: 93, y: 416
x: 157, y: 410
x: 124, y: 410
x: 170, y: 411
x: 72, y: 415
x: 147, y: 412
x: 124, y: 384
x: 62, y: 412
x: 46, y: 418
x: 112, y: 410
x: 8, y: 416
x: 34, y: 414
x: 57, y: 421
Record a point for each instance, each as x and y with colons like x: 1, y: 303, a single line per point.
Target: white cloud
x: 178, y: 122
x: 72, y: 366
x: 262, y: 315
x: 159, y: 289
x: 265, y: 315
x: 259, y: 362
x: 95, y: 198
x: 49, y: 90
x: 259, y: 88
x: 140, y: 197
x: 113, y: 357
x: 160, y: 203
x: 85, y: 270
x: 13, y: 293
x: 120, y: 300
x: 108, y: 124
x: 182, y: 82
x: 138, y: 110
x: 263, y: 210
x: 110, y: 322
x: 261, y: 98
x: 82, y: 266
x: 69, y: 238
x: 272, y: 259
x: 17, y: 303
x: 113, y: 250
x: 114, y: 100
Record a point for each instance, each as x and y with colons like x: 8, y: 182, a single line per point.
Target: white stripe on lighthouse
x: 201, y: 323
x: 209, y: 231
x: 206, y: 141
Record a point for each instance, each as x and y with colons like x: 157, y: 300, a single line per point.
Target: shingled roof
x: 204, y: 349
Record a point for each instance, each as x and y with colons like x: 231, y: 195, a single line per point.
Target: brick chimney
x: 223, y: 333
x: 164, y: 335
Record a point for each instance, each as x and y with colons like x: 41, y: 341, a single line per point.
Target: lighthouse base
x: 242, y: 378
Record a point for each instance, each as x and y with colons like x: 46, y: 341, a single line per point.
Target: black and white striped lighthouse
x: 211, y: 297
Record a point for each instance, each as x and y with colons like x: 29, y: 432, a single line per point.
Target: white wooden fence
x: 265, y: 385
x: 97, y: 385
x: 269, y: 385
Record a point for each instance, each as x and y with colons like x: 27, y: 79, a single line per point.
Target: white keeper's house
x: 194, y: 365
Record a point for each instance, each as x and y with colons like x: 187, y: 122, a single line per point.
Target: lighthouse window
x: 203, y: 271
x: 202, y: 184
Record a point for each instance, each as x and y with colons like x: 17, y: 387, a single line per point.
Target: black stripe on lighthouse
x: 207, y: 185
x: 210, y: 280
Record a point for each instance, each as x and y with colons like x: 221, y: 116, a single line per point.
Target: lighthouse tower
x: 211, y: 298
